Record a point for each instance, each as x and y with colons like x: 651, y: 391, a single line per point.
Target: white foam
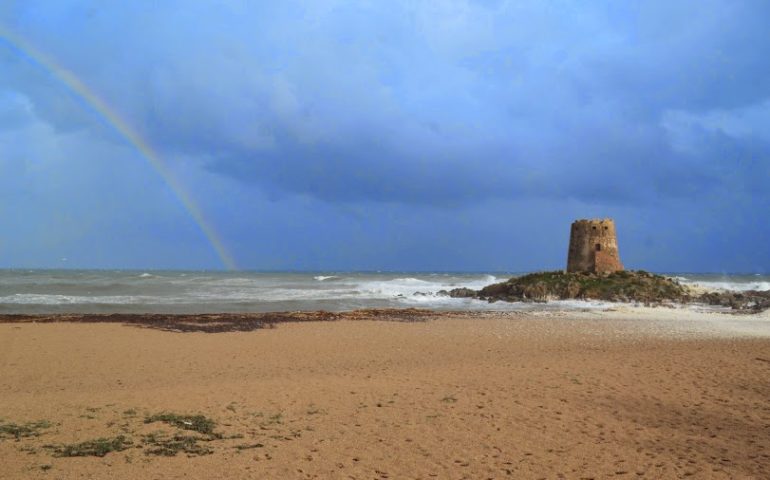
x: 232, y: 282
x: 47, y: 299
x: 689, y: 322
x: 726, y: 285
x: 409, y: 286
x: 246, y: 291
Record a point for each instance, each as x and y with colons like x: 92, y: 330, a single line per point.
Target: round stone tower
x: 593, y: 247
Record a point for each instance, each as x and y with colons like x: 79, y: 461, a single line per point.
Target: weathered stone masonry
x: 593, y: 247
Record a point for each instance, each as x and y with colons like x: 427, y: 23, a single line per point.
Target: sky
x: 398, y: 135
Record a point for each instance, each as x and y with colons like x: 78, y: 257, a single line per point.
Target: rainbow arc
x: 124, y: 129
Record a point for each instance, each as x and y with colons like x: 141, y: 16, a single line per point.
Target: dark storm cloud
x: 423, y: 102
x: 416, y: 105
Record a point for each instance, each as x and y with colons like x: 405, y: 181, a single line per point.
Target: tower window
x: 598, y: 247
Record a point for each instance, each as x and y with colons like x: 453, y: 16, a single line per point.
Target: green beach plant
x: 18, y: 431
x: 91, y: 448
x: 169, y: 446
x: 196, y: 423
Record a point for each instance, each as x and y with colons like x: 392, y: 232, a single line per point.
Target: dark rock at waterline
x: 749, y: 301
x: 459, y: 293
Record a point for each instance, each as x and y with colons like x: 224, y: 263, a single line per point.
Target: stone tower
x: 593, y: 247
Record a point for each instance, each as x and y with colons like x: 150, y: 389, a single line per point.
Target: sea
x: 106, y: 291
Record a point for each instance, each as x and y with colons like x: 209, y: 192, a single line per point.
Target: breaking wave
x: 738, y: 283
x: 200, y: 292
x: 321, y: 278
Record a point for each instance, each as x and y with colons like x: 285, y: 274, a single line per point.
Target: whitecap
x: 55, y: 299
x: 730, y: 286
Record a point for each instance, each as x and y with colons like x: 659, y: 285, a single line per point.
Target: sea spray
x: 96, y: 291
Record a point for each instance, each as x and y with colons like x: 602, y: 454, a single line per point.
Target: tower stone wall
x: 593, y: 247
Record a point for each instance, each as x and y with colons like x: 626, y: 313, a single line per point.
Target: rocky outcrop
x: 750, y: 301
x: 623, y: 286
x: 459, y: 293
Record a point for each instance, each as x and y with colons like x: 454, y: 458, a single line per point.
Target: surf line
x: 116, y: 122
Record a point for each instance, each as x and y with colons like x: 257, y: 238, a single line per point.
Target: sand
x: 631, y: 393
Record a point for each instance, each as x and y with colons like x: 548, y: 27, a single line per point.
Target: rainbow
x: 114, y: 120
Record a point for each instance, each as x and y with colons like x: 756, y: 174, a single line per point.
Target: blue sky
x: 388, y: 135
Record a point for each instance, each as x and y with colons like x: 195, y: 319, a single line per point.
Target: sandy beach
x: 634, y: 393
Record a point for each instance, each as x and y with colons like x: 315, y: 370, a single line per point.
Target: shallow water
x: 101, y: 291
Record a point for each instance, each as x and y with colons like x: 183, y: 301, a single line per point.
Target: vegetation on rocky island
x: 622, y: 286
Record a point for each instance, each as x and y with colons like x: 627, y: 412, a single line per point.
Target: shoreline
x: 44, y: 292
x: 222, y: 322
x: 708, y: 320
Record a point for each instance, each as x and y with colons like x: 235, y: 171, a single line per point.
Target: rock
x: 462, y: 293
x: 622, y: 286
x: 611, y: 286
x: 750, y: 301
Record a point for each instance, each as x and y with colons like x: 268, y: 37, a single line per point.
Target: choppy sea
x: 101, y: 291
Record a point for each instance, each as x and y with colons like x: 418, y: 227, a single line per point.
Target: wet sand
x: 648, y: 394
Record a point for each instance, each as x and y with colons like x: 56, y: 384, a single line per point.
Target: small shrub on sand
x: 274, y: 419
x: 91, y: 448
x: 248, y: 446
x: 196, y: 423
x: 159, y: 444
x: 16, y: 431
